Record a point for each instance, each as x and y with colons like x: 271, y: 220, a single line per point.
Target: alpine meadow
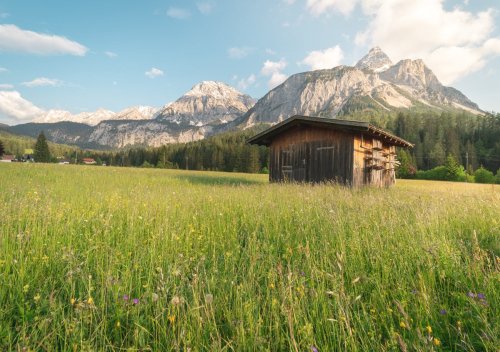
x: 95, y: 258
x: 250, y: 176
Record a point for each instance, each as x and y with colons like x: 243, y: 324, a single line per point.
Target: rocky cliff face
x: 372, y: 83
x: 207, y: 102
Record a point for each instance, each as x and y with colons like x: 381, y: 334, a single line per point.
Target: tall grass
x: 95, y: 258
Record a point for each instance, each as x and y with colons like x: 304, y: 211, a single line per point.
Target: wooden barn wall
x: 374, y: 162
x: 311, y: 154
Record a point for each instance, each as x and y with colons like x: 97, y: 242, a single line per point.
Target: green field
x: 95, y: 258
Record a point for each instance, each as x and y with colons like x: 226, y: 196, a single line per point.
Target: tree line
x: 472, y: 141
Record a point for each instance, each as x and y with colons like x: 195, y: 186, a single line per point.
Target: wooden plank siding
x: 374, y: 162
x: 312, y: 154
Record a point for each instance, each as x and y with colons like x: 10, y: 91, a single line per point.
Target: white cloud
x: 43, y: 82
x: 322, y: 59
x: 239, y: 52
x: 245, y: 83
x: 270, y: 51
x: 453, y: 43
x: 154, y: 72
x: 205, y: 7
x: 15, y: 39
x: 14, y: 108
x: 3, y: 69
x: 178, y: 13
x: 6, y: 86
x: 273, y: 70
x: 320, y: 7
x: 110, y: 54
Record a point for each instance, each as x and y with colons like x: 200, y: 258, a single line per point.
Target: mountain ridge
x: 374, y: 84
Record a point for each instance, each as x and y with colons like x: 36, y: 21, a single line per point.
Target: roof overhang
x: 266, y: 137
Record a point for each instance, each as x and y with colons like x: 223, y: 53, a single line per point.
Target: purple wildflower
x: 302, y: 273
x: 136, y: 300
x: 443, y: 311
x: 314, y: 349
x: 471, y: 294
x: 125, y: 297
x: 481, y: 296
x: 414, y: 291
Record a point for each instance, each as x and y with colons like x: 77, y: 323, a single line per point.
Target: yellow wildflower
x: 171, y: 319
x: 37, y: 297
x: 90, y: 300
x: 402, y: 324
x: 72, y: 301
x: 118, y: 324
x: 428, y: 328
x: 436, y: 342
x: 26, y: 288
x: 271, y: 285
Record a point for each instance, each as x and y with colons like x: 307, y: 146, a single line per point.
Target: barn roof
x: 266, y: 137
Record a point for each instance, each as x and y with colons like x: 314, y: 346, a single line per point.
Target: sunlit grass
x: 109, y: 259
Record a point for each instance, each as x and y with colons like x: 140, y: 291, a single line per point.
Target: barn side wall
x: 374, y: 162
x: 312, y: 154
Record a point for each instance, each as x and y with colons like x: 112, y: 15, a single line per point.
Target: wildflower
x: 271, y: 285
x: 37, y: 297
x: 26, y: 288
x: 176, y: 300
x: 481, y: 296
x: 136, y: 300
x: 171, y: 319
x: 314, y: 349
x: 428, y: 329
x: 443, y: 312
x: 209, y: 298
x: 471, y: 295
x: 118, y: 324
x: 436, y: 342
x: 414, y: 291
x: 125, y: 297
x: 90, y: 300
x: 72, y: 301
x: 402, y: 324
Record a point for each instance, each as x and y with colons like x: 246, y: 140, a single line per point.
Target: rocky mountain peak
x: 207, y: 102
x: 376, y: 60
x: 215, y: 89
x: 413, y: 73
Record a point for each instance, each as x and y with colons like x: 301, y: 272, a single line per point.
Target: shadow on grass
x: 218, y: 180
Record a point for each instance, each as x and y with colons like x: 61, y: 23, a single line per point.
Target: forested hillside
x: 472, y: 140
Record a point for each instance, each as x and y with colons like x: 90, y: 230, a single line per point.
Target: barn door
x: 325, y: 163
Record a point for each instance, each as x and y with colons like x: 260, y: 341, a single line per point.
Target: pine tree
x: 2, y: 150
x: 42, y: 153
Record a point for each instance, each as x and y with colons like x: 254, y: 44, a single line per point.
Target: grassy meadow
x: 121, y: 259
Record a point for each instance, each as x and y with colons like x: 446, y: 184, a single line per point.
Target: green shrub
x: 484, y: 176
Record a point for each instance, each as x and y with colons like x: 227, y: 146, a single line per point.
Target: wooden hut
x: 313, y: 149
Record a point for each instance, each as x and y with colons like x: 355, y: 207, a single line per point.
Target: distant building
x: 89, y: 161
x: 8, y: 158
x: 312, y: 149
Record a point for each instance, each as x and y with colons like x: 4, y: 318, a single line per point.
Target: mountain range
x: 375, y: 83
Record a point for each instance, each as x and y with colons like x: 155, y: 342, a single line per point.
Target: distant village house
x: 89, y: 161
x: 8, y: 158
x: 312, y: 149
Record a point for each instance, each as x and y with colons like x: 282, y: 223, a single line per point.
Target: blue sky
x: 84, y: 55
